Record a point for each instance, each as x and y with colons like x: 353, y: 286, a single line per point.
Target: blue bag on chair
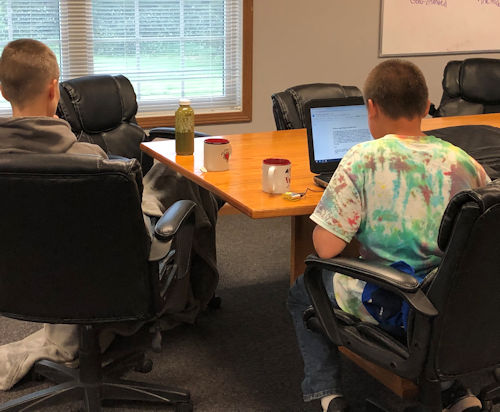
x: 388, y: 308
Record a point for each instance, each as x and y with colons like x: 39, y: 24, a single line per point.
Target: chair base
x: 94, y: 383
x: 70, y: 387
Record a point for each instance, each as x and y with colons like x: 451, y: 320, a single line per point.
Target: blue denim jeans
x: 321, y: 357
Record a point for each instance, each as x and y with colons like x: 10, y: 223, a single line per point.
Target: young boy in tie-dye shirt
x: 390, y: 194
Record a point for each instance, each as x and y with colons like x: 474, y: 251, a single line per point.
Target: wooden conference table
x: 240, y: 186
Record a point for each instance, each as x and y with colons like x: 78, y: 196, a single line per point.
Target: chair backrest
x: 466, y: 333
x: 101, y: 109
x: 289, y: 105
x: 74, y: 246
x: 471, y: 86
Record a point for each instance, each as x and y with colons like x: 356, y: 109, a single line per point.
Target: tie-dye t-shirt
x: 391, y: 194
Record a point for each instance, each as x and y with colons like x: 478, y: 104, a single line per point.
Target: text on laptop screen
x: 336, y: 129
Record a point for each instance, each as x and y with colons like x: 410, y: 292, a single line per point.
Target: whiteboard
x: 423, y: 27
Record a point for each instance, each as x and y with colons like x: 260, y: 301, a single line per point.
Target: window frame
x: 241, y: 116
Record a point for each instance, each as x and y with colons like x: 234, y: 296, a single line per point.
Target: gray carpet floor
x: 242, y: 357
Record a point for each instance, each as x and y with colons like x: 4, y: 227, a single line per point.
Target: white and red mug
x: 276, y: 174
x: 217, y: 152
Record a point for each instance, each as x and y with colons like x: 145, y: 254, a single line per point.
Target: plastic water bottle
x: 184, y: 128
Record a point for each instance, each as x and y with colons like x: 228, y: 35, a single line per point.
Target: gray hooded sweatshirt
x: 42, y: 135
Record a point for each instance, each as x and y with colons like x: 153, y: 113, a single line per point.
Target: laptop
x: 333, y: 127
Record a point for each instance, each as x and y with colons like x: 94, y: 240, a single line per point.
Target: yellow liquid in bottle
x: 184, y: 130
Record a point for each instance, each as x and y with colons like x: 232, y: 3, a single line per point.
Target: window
x: 200, y: 49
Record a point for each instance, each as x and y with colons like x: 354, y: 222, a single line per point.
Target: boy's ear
x: 52, y: 88
x: 371, y: 107
x: 427, y: 107
x: 3, y: 94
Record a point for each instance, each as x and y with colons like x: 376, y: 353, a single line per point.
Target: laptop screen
x: 335, y: 125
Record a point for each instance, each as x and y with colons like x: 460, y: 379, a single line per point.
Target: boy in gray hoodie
x: 29, y: 81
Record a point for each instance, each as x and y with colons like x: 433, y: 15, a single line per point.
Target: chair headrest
x: 97, y: 103
x: 480, y: 80
x: 306, y: 92
x: 289, y: 105
x: 475, y: 80
x: 62, y: 163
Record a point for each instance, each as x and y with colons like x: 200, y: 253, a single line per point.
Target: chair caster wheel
x: 215, y: 302
x: 145, y: 366
x: 184, y: 407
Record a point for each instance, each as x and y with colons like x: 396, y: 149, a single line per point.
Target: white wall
x: 335, y: 41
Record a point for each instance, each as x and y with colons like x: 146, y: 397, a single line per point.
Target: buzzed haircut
x: 27, y: 66
x: 398, y: 87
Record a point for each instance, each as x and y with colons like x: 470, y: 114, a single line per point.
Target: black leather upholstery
x: 288, y: 106
x: 169, y: 133
x: 101, y: 109
x: 75, y: 250
x: 61, y: 198
x: 454, y: 329
x: 471, y: 86
x: 482, y: 142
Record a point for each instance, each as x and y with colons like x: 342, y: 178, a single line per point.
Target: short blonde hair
x: 398, y: 87
x: 26, y: 67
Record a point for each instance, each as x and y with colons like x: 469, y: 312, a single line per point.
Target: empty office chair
x: 470, y: 86
x: 453, y: 326
x: 288, y: 106
x: 75, y: 249
x: 101, y: 109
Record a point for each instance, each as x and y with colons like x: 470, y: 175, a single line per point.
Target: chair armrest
x: 168, y: 133
x: 167, y: 226
x: 173, y: 218
x: 387, y: 277
x: 161, y: 132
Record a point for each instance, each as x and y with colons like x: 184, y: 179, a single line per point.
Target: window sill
x: 200, y: 119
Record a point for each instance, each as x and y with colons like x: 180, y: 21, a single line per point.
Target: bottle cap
x: 184, y: 102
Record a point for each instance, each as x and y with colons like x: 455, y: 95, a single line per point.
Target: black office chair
x: 101, y: 109
x: 470, y: 86
x: 453, y: 327
x: 75, y: 250
x: 289, y: 105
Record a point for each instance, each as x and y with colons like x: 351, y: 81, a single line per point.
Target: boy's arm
x: 326, y: 244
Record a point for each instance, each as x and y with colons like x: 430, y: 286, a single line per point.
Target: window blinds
x: 167, y: 48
